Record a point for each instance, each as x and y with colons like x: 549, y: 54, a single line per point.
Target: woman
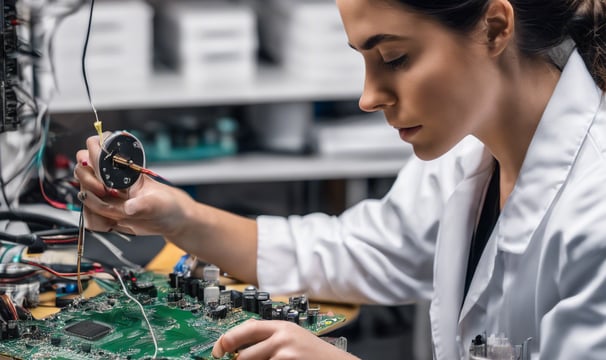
x: 500, y: 221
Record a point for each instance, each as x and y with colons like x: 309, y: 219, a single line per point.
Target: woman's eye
x: 397, y: 63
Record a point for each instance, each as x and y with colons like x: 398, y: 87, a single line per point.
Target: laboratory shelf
x: 171, y: 90
x: 263, y: 167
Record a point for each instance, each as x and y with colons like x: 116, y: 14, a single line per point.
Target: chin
x: 428, y: 154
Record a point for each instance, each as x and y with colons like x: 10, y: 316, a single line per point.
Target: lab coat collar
x: 551, y: 154
x: 459, y: 217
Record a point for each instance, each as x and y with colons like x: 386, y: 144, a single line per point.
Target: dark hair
x: 541, y: 25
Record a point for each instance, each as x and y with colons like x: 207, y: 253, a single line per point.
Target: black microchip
x: 88, y: 329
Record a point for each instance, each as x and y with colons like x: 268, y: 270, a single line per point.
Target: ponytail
x: 588, y: 30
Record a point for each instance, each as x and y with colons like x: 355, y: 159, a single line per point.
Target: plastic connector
x: 99, y: 127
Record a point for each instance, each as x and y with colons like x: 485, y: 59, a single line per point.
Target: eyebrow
x: 375, y: 40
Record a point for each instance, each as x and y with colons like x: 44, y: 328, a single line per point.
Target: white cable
x: 126, y: 238
x: 151, y: 330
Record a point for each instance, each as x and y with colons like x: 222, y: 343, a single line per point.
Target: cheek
x: 444, y: 101
x: 445, y: 96
x: 432, y: 99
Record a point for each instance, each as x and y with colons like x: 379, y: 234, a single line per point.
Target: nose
x: 376, y: 95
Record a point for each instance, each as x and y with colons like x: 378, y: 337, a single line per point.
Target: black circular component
x: 117, y: 175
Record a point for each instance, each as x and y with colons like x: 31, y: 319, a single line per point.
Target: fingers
x: 87, y: 178
x: 82, y: 156
x: 97, y: 223
x: 257, y: 340
x: 103, y: 207
x: 251, y: 332
x: 106, y: 207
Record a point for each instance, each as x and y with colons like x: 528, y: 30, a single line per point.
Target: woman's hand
x: 151, y: 208
x: 146, y: 208
x: 276, y: 340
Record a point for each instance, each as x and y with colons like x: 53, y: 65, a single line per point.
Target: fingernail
x: 84, y: 163
x: 114, y: 193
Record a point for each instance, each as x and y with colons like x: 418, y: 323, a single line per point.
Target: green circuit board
x: 112, y: 326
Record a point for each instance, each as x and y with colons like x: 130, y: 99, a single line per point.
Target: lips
x: 406, y: 134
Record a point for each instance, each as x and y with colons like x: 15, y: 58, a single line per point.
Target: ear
x: 499, y: 22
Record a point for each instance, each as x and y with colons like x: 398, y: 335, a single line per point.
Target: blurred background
x: 248, y: 105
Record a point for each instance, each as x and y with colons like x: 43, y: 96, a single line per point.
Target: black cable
x: 3, y: 186
x: 90, y: 23
x: 35, y: 219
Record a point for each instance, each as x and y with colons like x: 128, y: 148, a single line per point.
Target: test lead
x: 128, y: 163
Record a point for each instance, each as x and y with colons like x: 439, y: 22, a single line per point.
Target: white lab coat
x: 542, y: 274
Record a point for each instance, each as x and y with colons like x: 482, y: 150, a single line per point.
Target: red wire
x: 52, y: 202
x: 56, y: 273
x: 61, y: 241
x: 154, y: 175
x: 16, y: 279
x: 11, y: 306
x: 149, y: 172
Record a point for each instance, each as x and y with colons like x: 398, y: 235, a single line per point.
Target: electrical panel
x: 9, y: 67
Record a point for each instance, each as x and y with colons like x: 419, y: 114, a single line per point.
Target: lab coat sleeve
x: 379, y: 251
x: 573, y: 326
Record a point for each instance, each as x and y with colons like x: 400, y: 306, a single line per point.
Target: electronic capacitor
x: 250, y: 290
x: 293, y: 316
x: 261, y: 297
x: 250, y: 304
x: 211, y: 274
x: 211, y: 295
x: 265, y: 309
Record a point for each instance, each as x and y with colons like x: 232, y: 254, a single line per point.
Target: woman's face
x: 435, y: 86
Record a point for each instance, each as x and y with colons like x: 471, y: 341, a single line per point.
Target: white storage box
x: 308, y: 39
x: 209, y: 40
x: 119, y: 50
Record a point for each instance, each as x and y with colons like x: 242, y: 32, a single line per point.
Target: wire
x: 3, y: 186
x: 90, y: 23
x: 50, y: 201
x: 151, y: 330
x: 140, y: 169
x: 98, y: 125
x: 27, y: 167
x: 42, y: 173
x: 60, y: 240
x: 54, y: 272
x: 6, y: 299
x: 51, y: 34
x: 29, y: 98
x: 81, y: 236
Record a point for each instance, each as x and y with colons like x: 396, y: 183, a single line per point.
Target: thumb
x: 133, y: 206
